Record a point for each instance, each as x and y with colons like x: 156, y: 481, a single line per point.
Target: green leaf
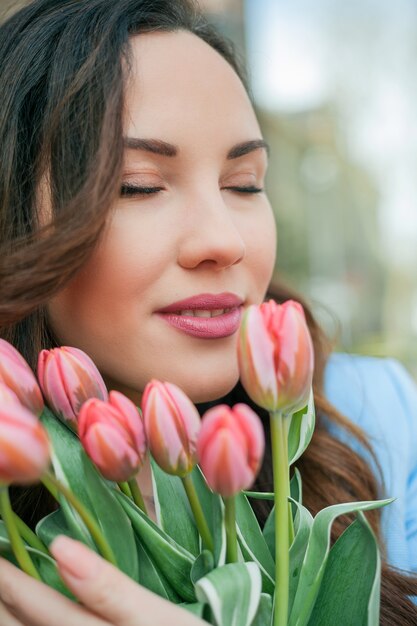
x: 296, y: 487
x: 45, y: 564
x: 151, y: 577
x: 178, y: 520
x: 68, y: 467
x: 300, y: 430
x: 252, y: 542
x: 53, y: 525
x: 174, y: 561
x: 296, y: 498
x: 351, y: 579
x: 213, y: 507
x: 259, y: 495
x: 302, y: 529
x: 263, y: 615
x: 233, y: 592
x: 316, y: 557
x: 114, y: 523
x: 269, y: 532
x: 196, y: 608
x: 203, y: 564
x: 73, y: 467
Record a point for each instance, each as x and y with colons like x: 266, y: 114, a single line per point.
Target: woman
x: 134, y: 226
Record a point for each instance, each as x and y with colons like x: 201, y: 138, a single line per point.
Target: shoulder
x: 378, y: 394
x: 381, y: 397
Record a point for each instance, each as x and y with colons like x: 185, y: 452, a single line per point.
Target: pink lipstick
x: 206, y: 316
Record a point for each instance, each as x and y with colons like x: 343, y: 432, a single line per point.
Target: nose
x: 210, y: 235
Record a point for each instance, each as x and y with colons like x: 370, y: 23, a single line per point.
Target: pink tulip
x: 24, y: 443
x: 113, y: 436
x: 16, y: 374
x: 275, y: 354
x: 230, y: 448
x: 68, y: 378
x: 7, y: 396
x: 172, y: 424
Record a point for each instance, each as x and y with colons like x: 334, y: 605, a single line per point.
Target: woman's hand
x: 107, y: 596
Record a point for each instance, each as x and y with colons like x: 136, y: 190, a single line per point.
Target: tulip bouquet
x: 203, y: 548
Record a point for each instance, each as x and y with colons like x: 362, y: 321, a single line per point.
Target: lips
x: 206, y: 316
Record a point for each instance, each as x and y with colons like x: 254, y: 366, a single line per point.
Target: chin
x: 207, y: 389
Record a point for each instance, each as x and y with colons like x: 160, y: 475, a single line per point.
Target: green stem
x: 105, y: 550
x: 29, y: 536
x: 200, y: 520
x: 280, y: 470
x: 16, y: 541
x: 285, y: 425
x: 52, y: 490
x: 124, y: 487
x: 137, y: 495
x: 231, y: 537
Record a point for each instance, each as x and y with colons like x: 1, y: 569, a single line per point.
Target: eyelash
x: 132, y: 190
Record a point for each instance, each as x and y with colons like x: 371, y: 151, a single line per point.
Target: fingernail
x: 74, y: 557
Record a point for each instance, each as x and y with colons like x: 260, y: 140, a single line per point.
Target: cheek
x: 97, y: 303
x: 261, y: 241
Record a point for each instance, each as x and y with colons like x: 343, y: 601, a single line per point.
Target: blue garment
x: 380, y: 396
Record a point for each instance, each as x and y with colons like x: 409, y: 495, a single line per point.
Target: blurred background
x: 335, y: 88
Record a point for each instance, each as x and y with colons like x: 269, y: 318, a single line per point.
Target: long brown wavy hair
x: 63, y: 67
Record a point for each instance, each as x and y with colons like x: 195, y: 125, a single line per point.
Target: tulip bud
x: 172, y: 424
x: 68, y: 378
x: 16, y: 374
x: 113, y: 436
x: 7, y: 396
x: 275, y: 354
x: 230, y: 448
x: 24, y: 443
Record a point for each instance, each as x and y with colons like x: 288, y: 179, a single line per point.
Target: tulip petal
x: 131, y: 419
x: 251, y: 425
x: 288, y: 357
x: 55, y: 390
x: 225, y: 465
x: 256, y: 359
x: 98, y: 411
x: 68, y: 378
x: 293, y: 357
x: 16, y: 374
x: 218, y: 418
x: 115, y: 459
x: 170, y: 421
x: 190, y: 417
x: 24, y: 445
x: 164, y: 441
x: 230, y: 448
x: 7, y: 396
x: 90, y: 368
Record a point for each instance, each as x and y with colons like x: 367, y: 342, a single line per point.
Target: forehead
x: 179, y: 84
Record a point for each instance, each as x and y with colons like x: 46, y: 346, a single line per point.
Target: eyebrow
x: 245, y: 147
x: 157, y: 146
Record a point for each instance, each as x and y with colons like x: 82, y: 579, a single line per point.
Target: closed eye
x: 133, y: 190
x: 250, y: 189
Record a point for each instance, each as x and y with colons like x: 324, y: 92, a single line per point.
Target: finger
x: 6, y: 618
x: 35, y: 604
x: 109, y: 592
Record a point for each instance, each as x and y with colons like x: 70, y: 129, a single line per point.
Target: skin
x: 194, y: 236
x: 197, y: 235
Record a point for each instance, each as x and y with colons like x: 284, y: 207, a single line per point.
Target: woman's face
x: 189, y: 223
